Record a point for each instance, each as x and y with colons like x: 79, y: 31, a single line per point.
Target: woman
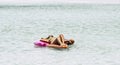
x: 58, y: 42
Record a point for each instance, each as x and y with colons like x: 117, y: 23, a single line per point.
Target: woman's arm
x: 57, y: 46
x: 45, y: 40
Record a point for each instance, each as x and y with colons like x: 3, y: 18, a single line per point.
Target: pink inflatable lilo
x: 40, y: 43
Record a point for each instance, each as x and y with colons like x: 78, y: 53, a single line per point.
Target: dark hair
x: 70, y: 42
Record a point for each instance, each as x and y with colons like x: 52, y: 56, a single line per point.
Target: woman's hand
x: 64, y: 46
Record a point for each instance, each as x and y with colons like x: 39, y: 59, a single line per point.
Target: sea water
x: 95, y: 29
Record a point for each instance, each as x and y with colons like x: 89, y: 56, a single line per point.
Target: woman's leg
x: 61, y: 40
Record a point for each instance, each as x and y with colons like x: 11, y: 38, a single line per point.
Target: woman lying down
x: 54, y: 42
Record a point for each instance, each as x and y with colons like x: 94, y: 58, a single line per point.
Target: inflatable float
x: 40, y: 43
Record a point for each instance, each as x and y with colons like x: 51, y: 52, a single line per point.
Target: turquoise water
x: 95, y: 29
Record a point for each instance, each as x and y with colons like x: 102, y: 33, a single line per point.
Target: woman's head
x: 70, y: 42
